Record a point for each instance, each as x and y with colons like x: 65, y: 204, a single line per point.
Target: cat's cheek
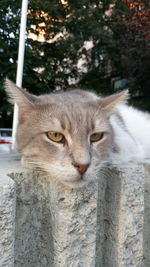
x: 62, y: 170
x: 100, y: 151
x: 59, y: 150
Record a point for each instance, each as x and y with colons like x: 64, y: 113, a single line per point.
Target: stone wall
x: 45, y: 224
x: 7, y: 221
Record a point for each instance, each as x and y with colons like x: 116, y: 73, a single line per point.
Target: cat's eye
x: 96, y: 137
x: 56, y: 137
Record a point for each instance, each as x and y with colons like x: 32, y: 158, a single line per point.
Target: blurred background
x: 93, y: 45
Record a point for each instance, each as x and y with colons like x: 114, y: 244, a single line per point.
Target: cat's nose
x: 81, y: 167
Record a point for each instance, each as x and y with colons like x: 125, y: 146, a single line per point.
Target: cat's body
x: 71, y: 135
x: 133, y: 135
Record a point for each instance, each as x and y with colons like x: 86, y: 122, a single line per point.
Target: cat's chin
x: 77, y: 183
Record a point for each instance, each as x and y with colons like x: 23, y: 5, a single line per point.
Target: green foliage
x: 78, y: 22
x: 116, y: 47
x: 9, y: 24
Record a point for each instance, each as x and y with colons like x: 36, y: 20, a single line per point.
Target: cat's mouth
x: 78, y: 182
x: 76, y: 179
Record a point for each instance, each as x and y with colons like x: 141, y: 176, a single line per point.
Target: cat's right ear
x: 22, y: 98
x: 18, y: 95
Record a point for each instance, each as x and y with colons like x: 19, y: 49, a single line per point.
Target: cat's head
x: 66, y: 134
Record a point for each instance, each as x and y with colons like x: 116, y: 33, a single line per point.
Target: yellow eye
x: 56, y: 137
x: 96, y: 137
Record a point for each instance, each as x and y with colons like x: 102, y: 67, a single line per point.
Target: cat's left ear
x: 110, y: 103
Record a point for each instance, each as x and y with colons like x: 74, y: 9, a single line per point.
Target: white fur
x: 133, y: 139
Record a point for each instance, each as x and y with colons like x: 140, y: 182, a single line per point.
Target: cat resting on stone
x: 71, y: 135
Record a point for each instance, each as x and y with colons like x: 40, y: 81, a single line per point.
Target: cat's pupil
x: 56, y: 137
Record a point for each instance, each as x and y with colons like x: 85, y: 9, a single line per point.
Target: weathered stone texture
x: 146, y: 230
x: 106, y: 224
x: 55, y: 226
x: 124, y: 214
x: 7, y: 221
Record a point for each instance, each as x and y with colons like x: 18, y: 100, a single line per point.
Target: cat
x: 71, y: 135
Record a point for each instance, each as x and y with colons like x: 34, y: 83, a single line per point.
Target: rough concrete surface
x: 55, y: 226
x: 120, y: 224
x: 7, y: 221
x: 146, y: 232
x: 106, y: 224
x: 128, y: 208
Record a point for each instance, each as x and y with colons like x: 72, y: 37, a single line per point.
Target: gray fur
x: 77, y: 115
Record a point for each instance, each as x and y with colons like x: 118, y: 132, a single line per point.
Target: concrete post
x: 123, y: 218
x: 7, y: 220
x: 55, y: 225
x: 105, y: 224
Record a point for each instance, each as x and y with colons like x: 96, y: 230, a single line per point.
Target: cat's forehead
x: 74, y: 111
x: 73, y: 96
x: 72, y: 116
x: 70, y: 112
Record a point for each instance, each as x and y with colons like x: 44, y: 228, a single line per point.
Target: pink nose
x: 81, y: 167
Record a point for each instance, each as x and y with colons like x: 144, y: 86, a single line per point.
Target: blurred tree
x: 83, y: 43
x: 9, y: 24
x: 134, y: 36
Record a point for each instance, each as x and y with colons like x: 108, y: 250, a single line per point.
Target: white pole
x: 20, y: 64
